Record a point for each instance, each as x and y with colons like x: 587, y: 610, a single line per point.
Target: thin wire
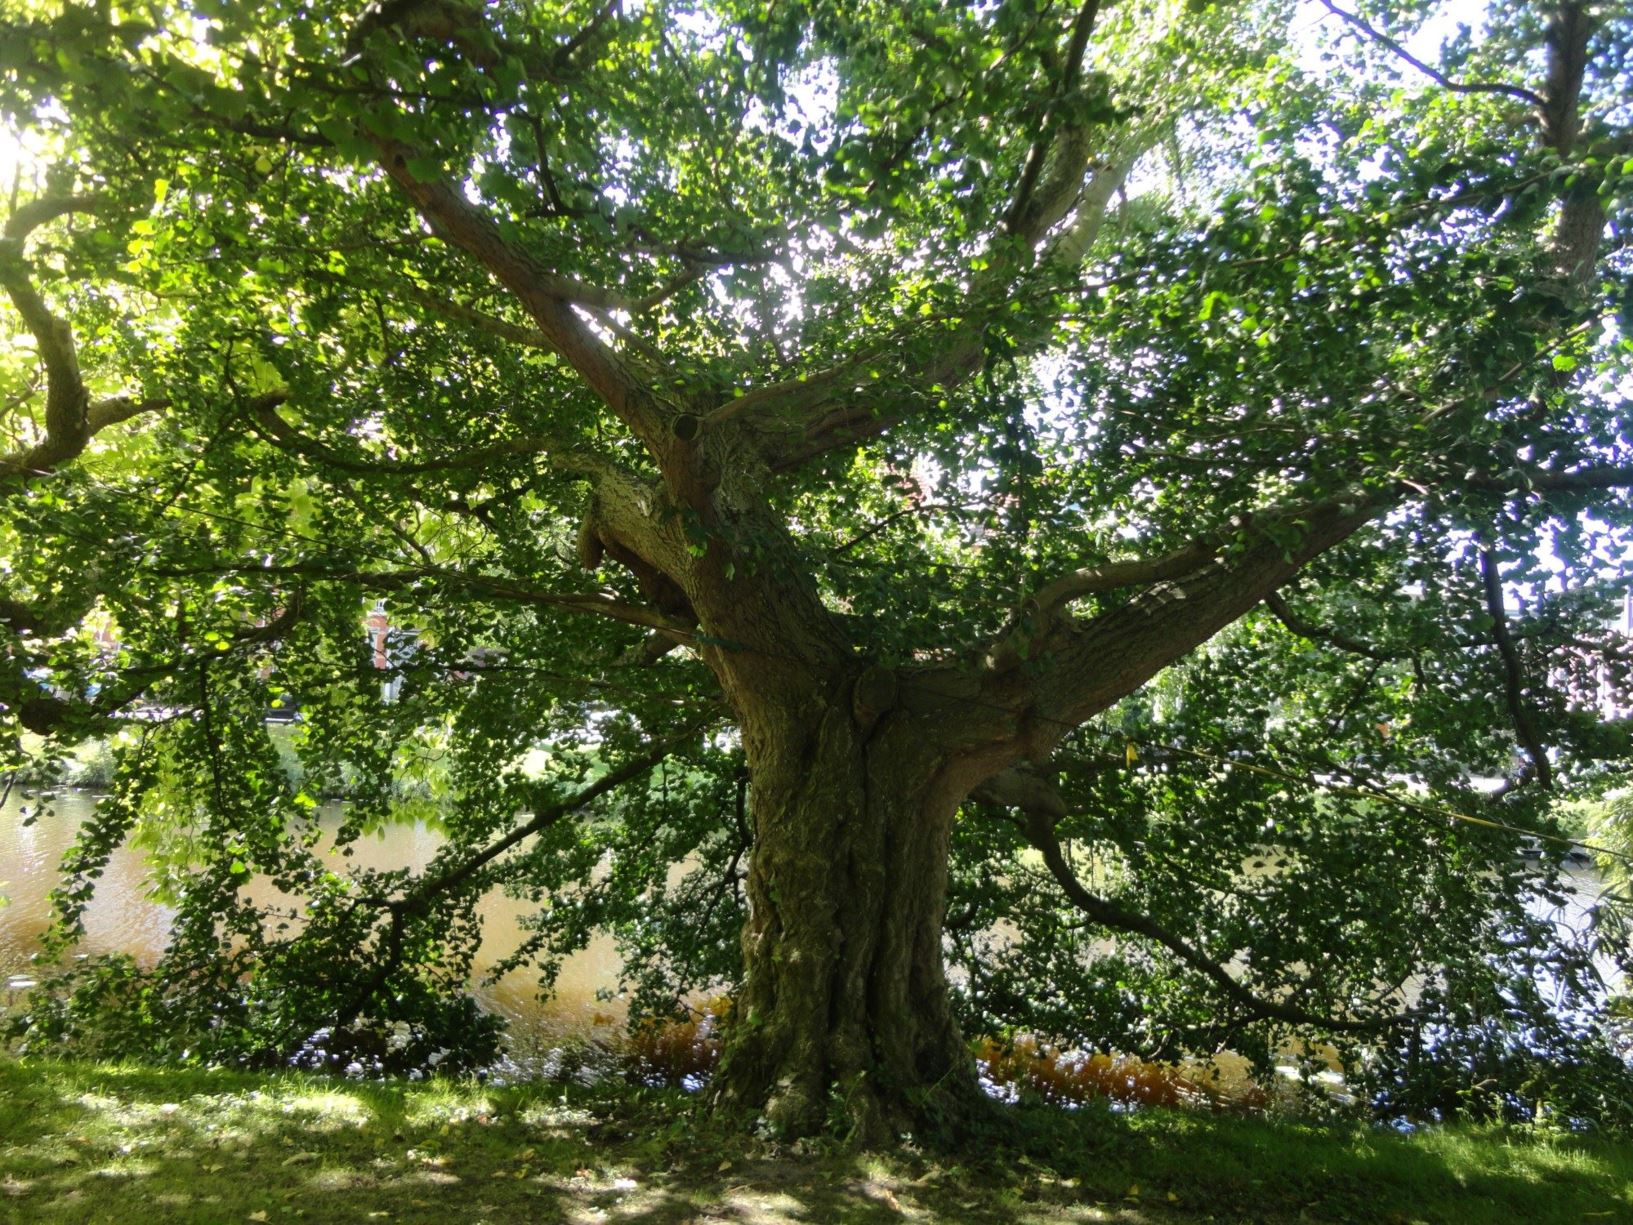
x: 1367, y: 792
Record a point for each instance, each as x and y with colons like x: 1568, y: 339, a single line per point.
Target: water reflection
x: 123, y: 917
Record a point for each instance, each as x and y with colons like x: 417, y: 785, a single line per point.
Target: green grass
x: 96, y: 1142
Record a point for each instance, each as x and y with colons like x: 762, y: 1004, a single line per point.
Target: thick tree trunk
x: 844, y: 1019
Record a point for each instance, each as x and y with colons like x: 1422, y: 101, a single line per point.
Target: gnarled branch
x: 71, y: 417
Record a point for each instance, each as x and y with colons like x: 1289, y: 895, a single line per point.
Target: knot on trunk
x: 596, y: 543
x: 872, y: 695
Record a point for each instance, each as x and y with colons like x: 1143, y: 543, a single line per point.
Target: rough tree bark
x: 857, y: 772
x: 844, y: 1006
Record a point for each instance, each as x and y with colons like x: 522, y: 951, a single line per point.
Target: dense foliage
x: 1203, y: 422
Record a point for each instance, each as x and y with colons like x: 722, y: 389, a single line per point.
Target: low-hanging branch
x: 45, y: 713
x: 456, y: 875
x: 419, y: 895
x: 1038, y: 830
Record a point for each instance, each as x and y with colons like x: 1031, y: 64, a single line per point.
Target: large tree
x: 852, y: 405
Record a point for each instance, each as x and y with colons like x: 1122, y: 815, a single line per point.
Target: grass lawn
x: 97, y: 1142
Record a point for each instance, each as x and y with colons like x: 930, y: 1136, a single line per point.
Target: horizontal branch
x: 26, y: 218
x: 282, y: 434
x: 1302, y: 627
x: 45, y: 713
x: 1107, y: 913
x: 1542, y: 480
x: 797, y: 394
x: 507, y: 590
x: 1118, y: 574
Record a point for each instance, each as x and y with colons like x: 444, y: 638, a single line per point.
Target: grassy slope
x: 87, y: 1143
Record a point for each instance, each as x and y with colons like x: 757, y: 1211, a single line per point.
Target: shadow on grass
x: 83, y: 1142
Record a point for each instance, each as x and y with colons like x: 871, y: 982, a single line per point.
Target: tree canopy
x: 871, y: 485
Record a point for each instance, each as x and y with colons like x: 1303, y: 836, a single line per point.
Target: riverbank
x: 90, y: 1142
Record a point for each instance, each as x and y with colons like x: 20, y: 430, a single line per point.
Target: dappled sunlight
x: 83, y: 1142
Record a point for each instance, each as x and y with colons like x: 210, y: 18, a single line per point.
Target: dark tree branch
x: 1439, y: 78
x: 1039, y: 831
x: 45, y: 713
x: 1513, y: 670
x: 797, y: 395
x: 1570, y: 26
x: 72, y: 419
x: 1040, y: 612
x: 487, y: 586
x: 1302, y: 627
x: 1580, y: 480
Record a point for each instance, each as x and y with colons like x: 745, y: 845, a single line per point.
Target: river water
x: 122, y: 917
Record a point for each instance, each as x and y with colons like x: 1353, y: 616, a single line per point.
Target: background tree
x: 853, y: 406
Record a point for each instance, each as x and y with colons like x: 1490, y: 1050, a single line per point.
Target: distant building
x: 390, y: 648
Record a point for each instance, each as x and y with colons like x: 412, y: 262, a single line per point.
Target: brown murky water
x: 124, y: 918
